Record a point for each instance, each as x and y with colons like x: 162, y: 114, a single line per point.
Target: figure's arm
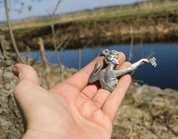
x: 93, y: 77
x: 131, y: 68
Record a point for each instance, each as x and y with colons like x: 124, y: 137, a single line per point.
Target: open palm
x: 72, y: 108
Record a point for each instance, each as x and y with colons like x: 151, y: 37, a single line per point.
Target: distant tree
x: 15, y: 5
x: 18, y: 6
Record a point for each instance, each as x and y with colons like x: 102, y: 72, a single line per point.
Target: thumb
x: 23, y: 71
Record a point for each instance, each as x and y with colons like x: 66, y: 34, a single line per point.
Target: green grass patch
x: 124, y: 14
x: 137, y: 136
x: 129, y: 94
x: 145, y: 105
x: 172, y: 1
x: 47, y: 20
x: 3, y: 26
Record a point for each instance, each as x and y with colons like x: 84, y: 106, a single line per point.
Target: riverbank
x: 146, y: 111
x: 146, y: 26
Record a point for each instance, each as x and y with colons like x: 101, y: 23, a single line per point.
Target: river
x: 165, y: 75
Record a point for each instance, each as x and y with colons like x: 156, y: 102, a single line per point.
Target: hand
x: 146, y: 60
x: 72, y: 109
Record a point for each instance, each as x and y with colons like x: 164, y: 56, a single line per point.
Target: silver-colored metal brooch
x: 108, y: 76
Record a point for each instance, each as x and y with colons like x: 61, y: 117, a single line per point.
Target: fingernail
x: 15, y: 71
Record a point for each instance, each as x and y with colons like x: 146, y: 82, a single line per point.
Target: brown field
x: 142, y: 9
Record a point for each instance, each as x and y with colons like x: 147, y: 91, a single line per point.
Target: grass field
x: 103, y: 14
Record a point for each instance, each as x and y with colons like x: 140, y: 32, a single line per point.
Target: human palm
x: 72, y: 108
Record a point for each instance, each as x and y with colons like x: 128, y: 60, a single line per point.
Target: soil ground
x: 135, y: 119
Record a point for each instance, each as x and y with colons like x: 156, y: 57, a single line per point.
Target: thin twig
x: 98, y: 46
x: 53, y: 32
x: 59, y: 1
x: 27, y: 55
x: 142, y: 51
x: 66, y: 43
x: 135, y: 52
x: 48, y: 12
x: 46, y: 67
x: 140, y: 81
x: 60, y: 44
x: 90, y: 41
x: 78, y: 54
x: 130, y: 54
x: 93, y: 45
x: 149, y: 53
x: 54, y: 40
x: 61, y: 67
x: 12, y: 35
x: 34, y: 60
x: 79, y: 63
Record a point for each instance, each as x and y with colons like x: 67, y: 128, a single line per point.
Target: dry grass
x: 145, y: 8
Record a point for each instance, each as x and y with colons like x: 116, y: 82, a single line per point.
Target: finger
x: 102, y: 94
x: 23, y: 71
x: 112, y: 103
x: 91, y: 89
x: 80, y: 79
x: 27, y: 78
x: 100, y: 97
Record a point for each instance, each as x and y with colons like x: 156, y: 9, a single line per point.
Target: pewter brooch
x: 108, y: 76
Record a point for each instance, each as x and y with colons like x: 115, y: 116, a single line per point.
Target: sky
x: 66, y: 6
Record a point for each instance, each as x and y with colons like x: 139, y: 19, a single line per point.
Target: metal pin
x: 108, y: 76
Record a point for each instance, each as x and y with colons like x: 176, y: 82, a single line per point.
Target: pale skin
x: 72, y: 109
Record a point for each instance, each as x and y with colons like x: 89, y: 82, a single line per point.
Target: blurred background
x: 73, y: 33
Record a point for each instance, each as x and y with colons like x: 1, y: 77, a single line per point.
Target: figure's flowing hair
x: 109, y: 55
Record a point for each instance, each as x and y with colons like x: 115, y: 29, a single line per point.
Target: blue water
x: 165, y: 75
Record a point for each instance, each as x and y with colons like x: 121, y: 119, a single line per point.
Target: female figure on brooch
x: 108, y: 76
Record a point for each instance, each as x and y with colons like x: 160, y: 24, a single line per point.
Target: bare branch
x: 60, y: 44
x: 54, y: 40
x: 12, y: 35
x: 142, y: 51
x: 61, y: 67
x: 46, y: 67
x: 78, y: 54
x: 149, y: 53
x: 34, y: 60
x: 48, y: 13
x: 93, y: 45
x: 134, y: 80
x: 135, y: 51
x: 130, y: 54
x: 79, y: 63
x: 53, y: 32
x: 98, y: 46
x: 90, y: 41
x: 27, y: 55
x: 59, y: 1
x: 67, y: 43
